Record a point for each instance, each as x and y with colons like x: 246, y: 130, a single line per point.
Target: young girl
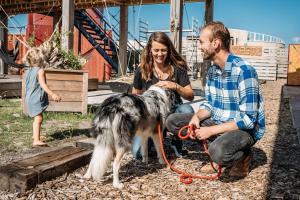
x: 36, y: 93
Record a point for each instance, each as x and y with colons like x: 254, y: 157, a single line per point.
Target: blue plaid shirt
x: 234, y: 94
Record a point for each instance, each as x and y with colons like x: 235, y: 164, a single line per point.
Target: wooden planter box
x: 70, y: 85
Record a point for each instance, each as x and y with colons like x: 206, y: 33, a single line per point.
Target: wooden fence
x: 270, y: 63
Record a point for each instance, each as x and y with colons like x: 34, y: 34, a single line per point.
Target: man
x: 233, y: 113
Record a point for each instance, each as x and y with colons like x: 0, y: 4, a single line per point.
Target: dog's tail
x: 102, y: 155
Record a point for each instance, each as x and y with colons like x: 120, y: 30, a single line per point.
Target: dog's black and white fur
x: 118, y: 120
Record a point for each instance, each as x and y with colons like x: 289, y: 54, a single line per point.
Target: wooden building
x: 67, y: 9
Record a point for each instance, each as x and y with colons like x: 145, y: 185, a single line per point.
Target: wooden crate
x: 70, y: 85
x: 293, y: 77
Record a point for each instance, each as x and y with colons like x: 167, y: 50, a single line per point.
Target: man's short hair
x: 219, y: 31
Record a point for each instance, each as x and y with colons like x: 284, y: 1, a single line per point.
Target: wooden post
x: 123, y: 39
x: 176, y: 23
x: 67, y: 24
x: 3, y: 42
x: 209, y: 8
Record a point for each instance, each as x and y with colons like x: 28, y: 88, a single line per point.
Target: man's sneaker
x: 176, y: 145
x: 241, y: 167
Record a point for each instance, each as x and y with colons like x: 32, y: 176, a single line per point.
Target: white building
x: 265, y: 52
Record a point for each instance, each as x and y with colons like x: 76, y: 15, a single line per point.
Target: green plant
x: 72, y: 61
x: 31, y: 40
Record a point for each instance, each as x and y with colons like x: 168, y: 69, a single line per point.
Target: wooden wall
x: 269, y: 62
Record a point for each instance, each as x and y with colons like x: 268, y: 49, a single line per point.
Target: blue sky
x: 278, y: 18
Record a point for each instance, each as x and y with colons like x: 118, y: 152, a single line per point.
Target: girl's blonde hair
x: 34, y: 57
x: 173, y: 57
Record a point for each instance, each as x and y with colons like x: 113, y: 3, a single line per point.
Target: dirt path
x: 275, y: 169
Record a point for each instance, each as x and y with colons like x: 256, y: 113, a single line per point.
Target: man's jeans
x: 183, y: 108
x: 226, y: 148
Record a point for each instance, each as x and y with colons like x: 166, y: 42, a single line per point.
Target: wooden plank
x: 15, y: 178
x: 65, y: 106
x: 26, y: 174
x: 247, y: 50
x: 293, y: 77
x: 64, y: 77
x: 63, y: 85
x: 68, y: 96
x: 123, y: 39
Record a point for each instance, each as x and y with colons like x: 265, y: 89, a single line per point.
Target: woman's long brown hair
x: 173, y: 57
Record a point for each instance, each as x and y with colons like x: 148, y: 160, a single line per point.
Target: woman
x: 162, y: 65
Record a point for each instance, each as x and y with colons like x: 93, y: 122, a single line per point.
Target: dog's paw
x: 118, y: 185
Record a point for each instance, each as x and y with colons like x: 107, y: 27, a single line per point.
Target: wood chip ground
x: 275, y: 171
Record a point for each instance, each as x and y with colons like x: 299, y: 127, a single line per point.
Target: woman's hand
x: 167, y: 84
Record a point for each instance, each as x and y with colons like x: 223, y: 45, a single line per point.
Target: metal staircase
x: 97, y: 36
x: 133, y: 45
x: 103, y: 36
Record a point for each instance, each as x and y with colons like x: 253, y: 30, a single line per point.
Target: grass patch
x: 16, y: 128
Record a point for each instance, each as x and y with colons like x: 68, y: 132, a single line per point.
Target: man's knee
x: 170, y: 123
x: 184, y: 108
x: 176, y: 121
x: 218, y: 154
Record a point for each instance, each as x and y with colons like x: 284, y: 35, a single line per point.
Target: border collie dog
x: 118, y: 119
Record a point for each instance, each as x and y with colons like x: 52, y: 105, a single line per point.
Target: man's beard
x: 208, y: 55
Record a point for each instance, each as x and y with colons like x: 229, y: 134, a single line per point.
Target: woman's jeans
x: 226, y: 148
x: 183, y: 108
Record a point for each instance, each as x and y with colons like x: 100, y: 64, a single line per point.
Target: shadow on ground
x: 60, y: 135
x: 284, y: 177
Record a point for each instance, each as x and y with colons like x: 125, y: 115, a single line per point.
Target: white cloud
x: 296, y: 39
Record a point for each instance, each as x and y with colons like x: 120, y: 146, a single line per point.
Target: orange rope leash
x: 185, y: 177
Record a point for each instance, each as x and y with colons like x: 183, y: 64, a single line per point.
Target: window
x: 258, y: 37
x: 250, y: 36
